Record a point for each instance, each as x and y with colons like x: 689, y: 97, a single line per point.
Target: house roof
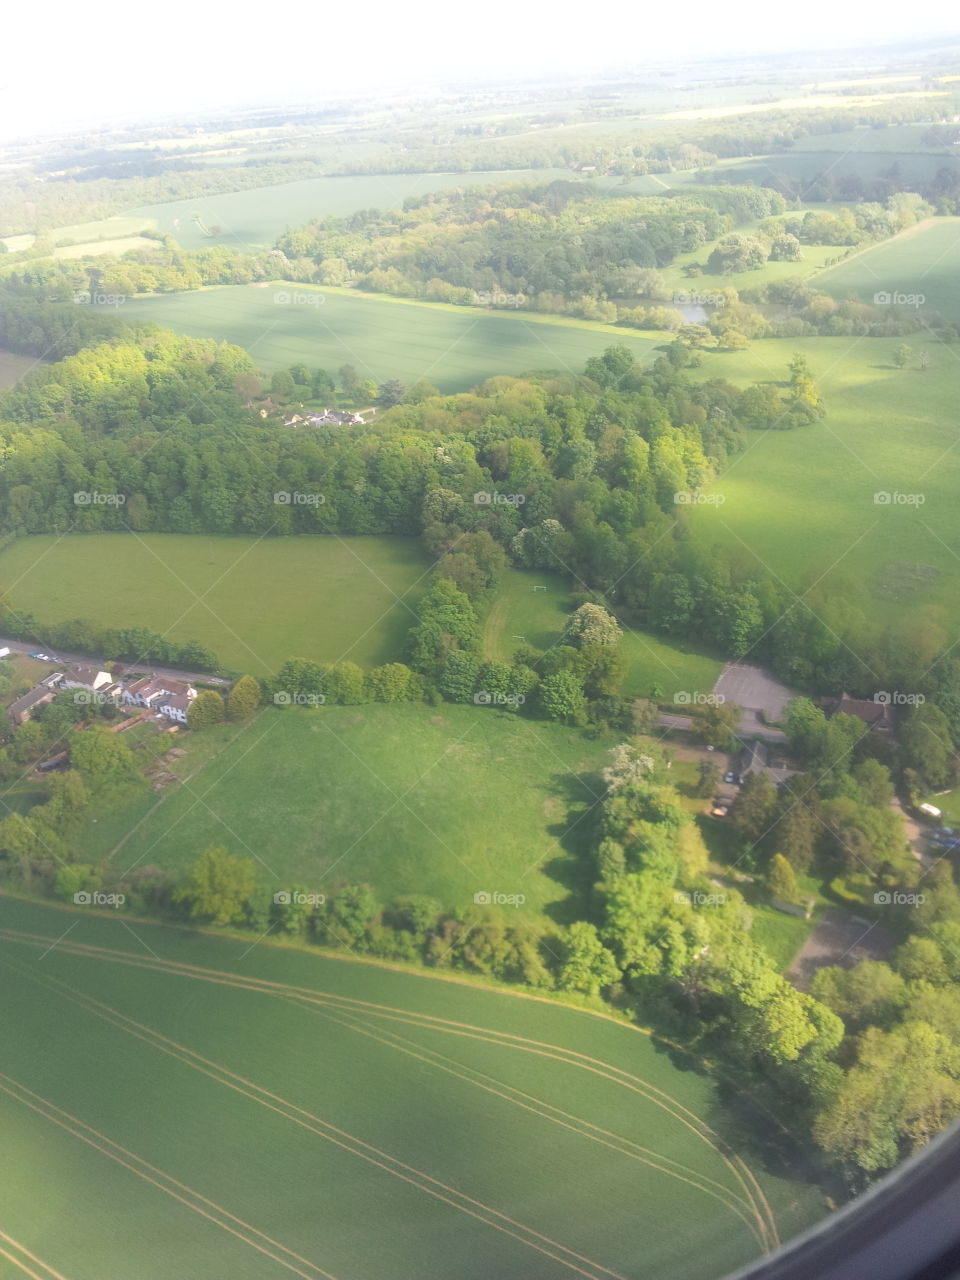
x: 876, y: 714
x: 179, y: 701
x: 82, y: 673
x: 39, y: 693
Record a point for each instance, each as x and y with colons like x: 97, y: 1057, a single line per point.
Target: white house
x: 171, y: 698
x: 80, y: 676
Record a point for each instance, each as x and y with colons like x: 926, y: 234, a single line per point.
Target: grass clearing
x: 447, y: 801
x: 254, y: 602
x: 453, y: 347
x: 802, y: 502
x: 13, y: 367
x: 533, y: 608
x: 660, y: 1193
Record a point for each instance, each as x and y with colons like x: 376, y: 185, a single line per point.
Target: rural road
x: 16, y: 646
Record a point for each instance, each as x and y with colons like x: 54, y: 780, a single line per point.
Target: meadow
x: 572, y: 1144
x: 254, y: 602
x: 447, y: 801
x: 13, y: 367
x: 453, y: 347
x: 922, y: 261
x: 253, y: 219
x: 801, y: 503
x: 533, y: 608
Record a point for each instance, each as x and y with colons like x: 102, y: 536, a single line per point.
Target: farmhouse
x: 877, y: 716
x: 170, y: 697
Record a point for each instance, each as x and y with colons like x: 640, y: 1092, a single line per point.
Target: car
x: 42, y: 657
x: 729, y: 777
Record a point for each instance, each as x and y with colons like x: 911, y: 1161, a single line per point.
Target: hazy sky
x: 75, y: 64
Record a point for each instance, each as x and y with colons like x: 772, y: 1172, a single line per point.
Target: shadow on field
x: 750, y: 1118
x: 573, y: 867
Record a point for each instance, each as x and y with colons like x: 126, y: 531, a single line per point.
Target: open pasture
x: 255, y: 603
x: 453, y: 347
x: 803, y: 503
x: 310, y: 1099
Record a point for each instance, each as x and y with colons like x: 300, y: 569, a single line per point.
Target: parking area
x: 756, y: 691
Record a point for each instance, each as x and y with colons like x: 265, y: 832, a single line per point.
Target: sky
x: 71, y: 65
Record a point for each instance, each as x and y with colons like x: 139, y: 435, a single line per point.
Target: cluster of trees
x: 539, y: 246
x: 108, y: 644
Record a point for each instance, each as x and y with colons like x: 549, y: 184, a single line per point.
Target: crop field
x: 255, y: 603
x: 453, y: 347
x: 804, y: 166
x: 254, y: 219
x: 533, y: 608
x: 923, y: 261
x: 447, y: 801
x: 802, y: 503
x: 572, y: 1145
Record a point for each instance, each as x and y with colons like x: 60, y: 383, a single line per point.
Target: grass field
x: 265, y: 1113
x: 533, y: 608
x: 255, y: 603
x: 13, y: 367
x: 925, y: 260
x: 801, y: 503
x: 255, y: 218
x: 453, y: 347
x: 446, y: 801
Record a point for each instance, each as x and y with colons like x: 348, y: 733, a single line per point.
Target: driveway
x: 838, y: 938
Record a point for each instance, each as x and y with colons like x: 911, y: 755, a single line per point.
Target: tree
x: 562, y: 696
x: 591, y: 624
x: 869, y: 993
x: 106, y: 764
x: 219, y: 887
x: 588, y: 965
x: 781, y: 880
x: 708, y: 775
x: 391, y: 393
x: 901, y: 357
x: 282, y: 385
x: 244, y: 698
x: 717, y: 725
x: 205, y: 710
x: 755, y: 807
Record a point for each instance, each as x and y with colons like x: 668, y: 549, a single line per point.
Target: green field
x: 332, y: 1119
x: 453, y: 347
x: 254, y: 602
x: 801, y: 503
x: 533, y: 608
x: 13, y: 367
x: 447, y: 801
x: 254, y: 219
x: 925, y: 260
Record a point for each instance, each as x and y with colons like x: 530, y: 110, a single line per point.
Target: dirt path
x: 838, y: 938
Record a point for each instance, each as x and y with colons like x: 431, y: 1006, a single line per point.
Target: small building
x: 175, y: 707
x: 876, y: 714
x: 752, y: 759
x: 23, y: 708
x: 81, y: 676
